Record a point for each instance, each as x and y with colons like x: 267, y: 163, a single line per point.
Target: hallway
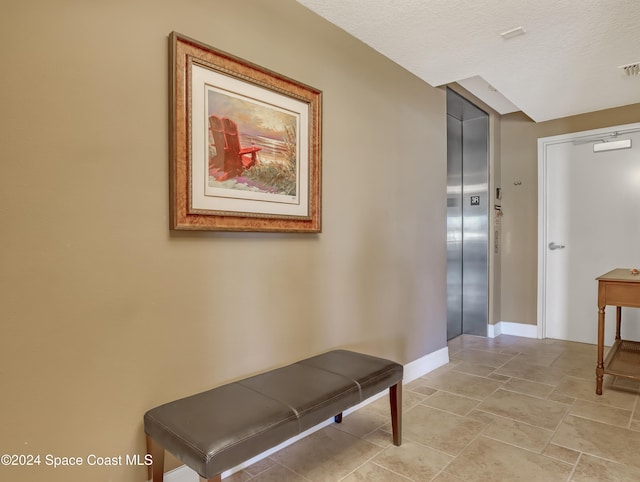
x: 503, y: 409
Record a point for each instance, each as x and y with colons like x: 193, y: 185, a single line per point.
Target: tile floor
x: 503, y: 409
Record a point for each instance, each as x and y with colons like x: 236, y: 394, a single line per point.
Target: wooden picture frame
x: 245, y: 148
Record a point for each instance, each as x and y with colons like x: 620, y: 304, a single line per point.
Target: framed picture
x: 245, y: 145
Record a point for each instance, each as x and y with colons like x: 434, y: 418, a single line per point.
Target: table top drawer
x: 620, y: 294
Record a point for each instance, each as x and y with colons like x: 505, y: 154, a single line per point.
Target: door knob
x: 553, y: 246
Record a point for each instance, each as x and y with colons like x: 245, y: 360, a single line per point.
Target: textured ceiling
x: 565, y: 64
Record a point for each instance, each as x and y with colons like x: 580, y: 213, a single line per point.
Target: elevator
x: 467, y: 217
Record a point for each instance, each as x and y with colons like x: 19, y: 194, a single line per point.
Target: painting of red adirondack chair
x: 228, y: 156
x: 252, y: 145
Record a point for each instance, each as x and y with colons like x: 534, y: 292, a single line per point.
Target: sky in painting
x: 252, y: 118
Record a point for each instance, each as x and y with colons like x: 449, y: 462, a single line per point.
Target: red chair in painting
x: 236, y: 159
x: 217, y: 133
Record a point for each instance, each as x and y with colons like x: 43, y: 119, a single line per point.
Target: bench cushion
x: 313, y: 394
x: 209, y: 431
x: 372, y: 374
x: 220, y: 428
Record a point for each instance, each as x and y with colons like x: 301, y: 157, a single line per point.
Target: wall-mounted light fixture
x: 514, y: 32
x: 631, y: 69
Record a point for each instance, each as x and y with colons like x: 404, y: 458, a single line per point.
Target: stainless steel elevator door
x: 467, y: 217
x: 454, y: 227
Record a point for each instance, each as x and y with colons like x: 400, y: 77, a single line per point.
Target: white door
x: 590, y: 224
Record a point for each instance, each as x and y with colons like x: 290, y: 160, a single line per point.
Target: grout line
x: 392, y: 471
x: 595, y: 456
x: 275, y: 462
x: 555, y: 430
x: 575, y: 466
x: 633, y: 411
x: 513, y: 445
x: 366, y: 461
x: 518, y: 421
x: 450, y: 393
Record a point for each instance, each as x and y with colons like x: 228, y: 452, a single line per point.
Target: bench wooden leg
x: 395, y: 399
x: 156, y: 469
x: 215, y: 478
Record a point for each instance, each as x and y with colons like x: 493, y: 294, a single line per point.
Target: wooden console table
x: 618, y: 288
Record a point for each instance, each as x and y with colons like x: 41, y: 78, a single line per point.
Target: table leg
x: 156, y: 469
x: 395, y: 399
x: 618, y: 321
x: 600, y: 365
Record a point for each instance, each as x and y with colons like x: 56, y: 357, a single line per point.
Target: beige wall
x: 519, y: 155
x: 104, y: 312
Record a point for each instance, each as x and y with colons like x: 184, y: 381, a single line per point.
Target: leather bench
x: 216, y: 430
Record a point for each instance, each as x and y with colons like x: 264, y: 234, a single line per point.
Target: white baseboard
x: 412, y: 370
x: 426, y: 364
x: 511, y: 328
x: 181, y: 474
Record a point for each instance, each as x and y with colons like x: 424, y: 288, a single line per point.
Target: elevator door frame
x: 467, y: 222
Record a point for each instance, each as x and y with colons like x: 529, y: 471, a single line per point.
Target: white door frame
x: 543, y: 143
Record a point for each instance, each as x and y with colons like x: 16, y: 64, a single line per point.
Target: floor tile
x: 593, y: 469
x: 561, y: 453
x: 362, y: 422
x: 463, y: 384
x: 260, y: 466
x: 474, y: 369
x: 599, y: 439
x: 440, y: 430
x: 620, y: 382
x: 635, y: 418
x: 498, y: 377
x: 251, y: 471
x: 519, y: 434
x: 586, y: 390
x: 440, y: 370
x: 581, y: 365
x: 601, y: 413
x: 326, y: 455
x: 538, y: 358
x: 488, y: 460
x: 446, y: 477
x: 524, y: 408
x: 382, y: 407
x: 381, y: 437
x: 450, y: 402
x: 557, y: 397
x: 240, y: 476
x: 424, y: 390
x: 277, y: 473
x: 520, y: 344
x: 471, y: 342
x: 413, y: 460
x: 482, y: 417
x: 528, y: 387
x: 520, y: 369
x: 418, y: 385
x: 371, y: 472
x: 482, y: 357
